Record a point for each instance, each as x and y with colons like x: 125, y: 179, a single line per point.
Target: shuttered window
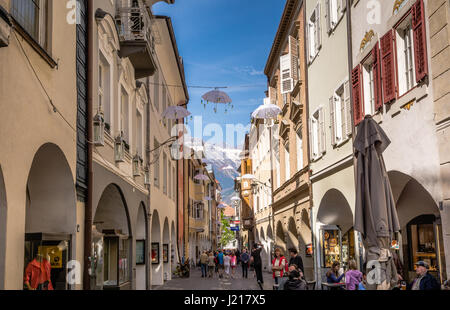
x: 314, y: 33
x: 156, y: 167
x: 299, y: 143
x: 357, y: 95
x: 347, y: 109
x: 420, y: 43
x: 317, y: 134
x: 388, y: 67
x: 376, y: 68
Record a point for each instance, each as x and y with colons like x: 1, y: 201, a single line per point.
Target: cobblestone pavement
x: 196, y: 282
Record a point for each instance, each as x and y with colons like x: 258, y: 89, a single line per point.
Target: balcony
x: 136, y: 41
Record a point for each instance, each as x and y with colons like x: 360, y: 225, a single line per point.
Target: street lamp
x: 119, y: 148
x: 99, y: 130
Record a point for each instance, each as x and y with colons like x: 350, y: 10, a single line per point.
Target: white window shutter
x: 328, y: 15
x: 293, y: 50
x: 343, y: 119
x: 311, y: 139
x: 287, y: 82
x: 308, y: 42
x: 318, y: 30
x: 321, y: 137
x: 332, y: 120
x: 348, y: 109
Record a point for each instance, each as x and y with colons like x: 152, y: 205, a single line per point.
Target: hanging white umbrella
x: 229, y: 167
x: 222, y: 206
x: 267, y: 111
x: 175, y: 112
x: 207, y: 198
x: 248, y: 176
x: 235, y: 198
x: 217, y: 96
x: 201, y: 177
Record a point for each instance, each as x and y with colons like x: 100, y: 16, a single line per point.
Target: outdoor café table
x: 330, y: 286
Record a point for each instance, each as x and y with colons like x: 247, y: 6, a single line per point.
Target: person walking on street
x: 227, y: 264
x: 257, y: 263
x: 424, y: 281
x: 204, y: 263
x: 211, y: 264
x: 245, y: 258
x: 220, y: 257
x: 279, y: 267
x: 353, y: 276
x: 233, y: 264
x: 296, y: 259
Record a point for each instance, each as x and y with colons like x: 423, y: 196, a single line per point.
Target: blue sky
x: 225, y: 43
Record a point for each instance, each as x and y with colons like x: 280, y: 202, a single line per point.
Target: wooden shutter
x: 293, y: 51
x: 420, y: 41
x: 286, y: 81
x: 388, y: 66
x: 332, y: 120
x: 328, y: 15
x: 318, y: 28
x: 348, y: 109
x: 343, y: 117
x: 358, y: 112
x: 321, y: 137
x: 376, y: 67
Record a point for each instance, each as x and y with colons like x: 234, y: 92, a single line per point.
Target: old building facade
x: 399, y: 66
x: 287, y: 75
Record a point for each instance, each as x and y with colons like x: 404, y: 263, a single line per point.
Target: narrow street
x: 196, y: 282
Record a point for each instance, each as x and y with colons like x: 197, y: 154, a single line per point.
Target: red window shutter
x: 377, y: 77
x: 420, y: 42
x: 388, y: 66
x: 358, y: 113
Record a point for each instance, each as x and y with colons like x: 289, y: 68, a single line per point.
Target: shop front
x: 111, y: 242
x: 421, y: 234
x: 50, y: 223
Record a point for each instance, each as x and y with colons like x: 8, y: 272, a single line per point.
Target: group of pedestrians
x: 223, y: 263
x: 357, y: 280
x: 288, y: 275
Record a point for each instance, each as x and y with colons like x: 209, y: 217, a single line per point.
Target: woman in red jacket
x: 279, y: 266
x: 37, y: 274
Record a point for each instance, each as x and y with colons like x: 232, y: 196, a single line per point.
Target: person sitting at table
x: 333, y: 276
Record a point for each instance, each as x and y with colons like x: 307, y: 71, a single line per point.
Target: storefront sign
x: 234, y: 228
x: 309, y: 250
x: 54, y: 254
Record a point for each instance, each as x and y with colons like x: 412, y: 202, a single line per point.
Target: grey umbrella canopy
x: 217, y: 96
x: 375, y: 213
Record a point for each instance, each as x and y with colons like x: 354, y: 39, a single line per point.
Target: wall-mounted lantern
x: 146, y: 175
x: 119, y: 148
x: 136, y: 166
x: 99, y: 130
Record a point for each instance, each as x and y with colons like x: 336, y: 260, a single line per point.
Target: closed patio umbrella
x: 375, y: 213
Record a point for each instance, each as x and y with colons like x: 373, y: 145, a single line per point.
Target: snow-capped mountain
x: 224, y: 160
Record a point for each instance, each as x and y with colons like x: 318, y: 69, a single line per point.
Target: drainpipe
x: 311, y: 200
x: 90, y: 181
x: 350, y: 68
x: 148, y: 267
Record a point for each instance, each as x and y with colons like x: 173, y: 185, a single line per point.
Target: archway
x: 156, y: 250
x: 166, y: 255
x: 305, y: 239
x: 421, y: 236
x: 112, y: 221
x: 292, y: 235
x: 50, y: 221
x: 335, y: 233
x: 141, y: 246
x: 3, y: 210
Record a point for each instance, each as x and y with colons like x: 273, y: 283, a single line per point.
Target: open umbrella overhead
x: 235, y: 198
x: 266, y: 111
x: 248, y: 176
x: 229, y: 167
x: 175, y: 112
x: 375, y: 213
x: 217, y: 96
x: 201, y: 177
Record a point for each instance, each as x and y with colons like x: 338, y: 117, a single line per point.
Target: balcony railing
x: 134, y: 25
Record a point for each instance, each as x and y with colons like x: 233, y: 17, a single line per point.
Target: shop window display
x: 116, y: 260
x: 45, y: 261
x: 337, y: 247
